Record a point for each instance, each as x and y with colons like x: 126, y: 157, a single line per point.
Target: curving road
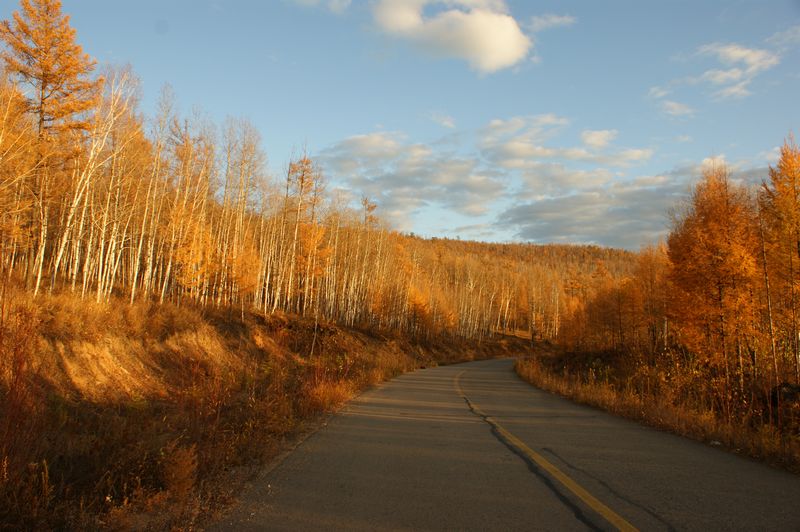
x: 472, y: 447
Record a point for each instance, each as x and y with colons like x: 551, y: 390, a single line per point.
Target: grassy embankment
x: 152, y: 416
x: 603, y: 381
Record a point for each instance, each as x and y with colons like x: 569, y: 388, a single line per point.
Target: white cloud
x: 544, y: 22
x: 636, y: 155
x: 755, y: 60
x: 559, y: 194
x: 745, y: 64
x: 553, y: 179
x: 381, y: 145
x: 478, y: 31
x: 722, y: 77
x: 586, y: 208
x: 522, y: 129
x: 406, y: 177
x: 676, y: 109
x: 620, y: 215
x: 741, y: 66
x: 549, y: 191
x: 598, y: 139
x: 713, y: 162
x: 516, y: 142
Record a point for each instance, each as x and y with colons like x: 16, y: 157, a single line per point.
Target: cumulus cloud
x: 575, y: 193
x: 608, y: 211
x: 548, y: 179
x: 482, y: 32
x: 562, y: 193
x: 545, y: 22
x: 405, y: 177
x: 625, y: 216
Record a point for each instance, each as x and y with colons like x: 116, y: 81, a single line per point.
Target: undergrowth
x: 634, y: 396
x: 118, y: 417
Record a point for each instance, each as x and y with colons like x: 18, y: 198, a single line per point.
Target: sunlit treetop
x: 40, y: 50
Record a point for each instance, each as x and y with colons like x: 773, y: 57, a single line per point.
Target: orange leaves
x: 195, y: 257
x: 781, y: 199
x: 419, y: 306
x: 785, y: 179
x: 713, y: 264
x: 41, y: 50
x: 245, y: 268
x: 779, y: 202
x: 313, y: 254
x: 16, y: 164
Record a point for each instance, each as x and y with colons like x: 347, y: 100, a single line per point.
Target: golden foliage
x: 195, y: 257
x: 712, y: 252
x: 42, y: 51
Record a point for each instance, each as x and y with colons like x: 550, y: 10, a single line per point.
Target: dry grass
x: 149, y: 417
x: 747, y: 435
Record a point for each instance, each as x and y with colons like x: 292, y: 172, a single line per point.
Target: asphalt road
x: 472, y: 447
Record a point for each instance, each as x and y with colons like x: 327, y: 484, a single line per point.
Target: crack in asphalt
x: 617, y: 494
x: 533, y: 467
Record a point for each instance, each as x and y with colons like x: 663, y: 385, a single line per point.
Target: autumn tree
x: 42, y: 52
x: 16, y: 166
x: 780, y: 203
x: 713, y: 269
x: 650, y: 290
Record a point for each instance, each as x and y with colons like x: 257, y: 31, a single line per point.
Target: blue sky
x: 494, y: 120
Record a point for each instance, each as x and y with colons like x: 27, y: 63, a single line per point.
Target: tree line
x: 710, y: 315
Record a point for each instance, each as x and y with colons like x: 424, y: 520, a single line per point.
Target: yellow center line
x: 579, y: 491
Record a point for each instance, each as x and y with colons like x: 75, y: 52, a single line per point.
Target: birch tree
x: 40, y: 50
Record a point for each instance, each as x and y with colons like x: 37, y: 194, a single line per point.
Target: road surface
x: 472, y: 447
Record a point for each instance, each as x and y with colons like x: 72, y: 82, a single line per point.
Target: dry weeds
x: 748, y: 435
x: 125, y: 417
